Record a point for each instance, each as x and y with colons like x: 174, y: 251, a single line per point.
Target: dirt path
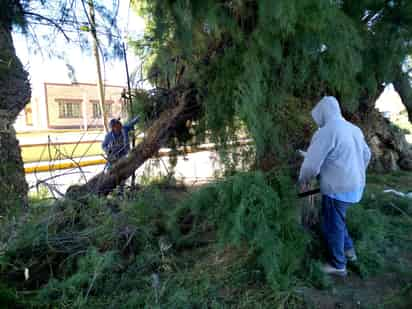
x: 388, y: 290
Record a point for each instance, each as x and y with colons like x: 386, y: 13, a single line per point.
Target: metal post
x: 129, y: 97
x: 95, y: 49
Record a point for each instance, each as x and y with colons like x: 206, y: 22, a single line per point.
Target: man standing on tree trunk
x: 338, y: 154
x: 116, y: 144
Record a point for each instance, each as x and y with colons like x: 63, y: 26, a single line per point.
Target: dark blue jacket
x: 117, y: 146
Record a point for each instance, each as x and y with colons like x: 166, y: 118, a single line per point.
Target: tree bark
x: 402, y: 85
x: 155, y: 137
x: 15, y: 93
x: 390, y: 150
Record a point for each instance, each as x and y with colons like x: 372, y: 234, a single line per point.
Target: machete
x: 307, y: 193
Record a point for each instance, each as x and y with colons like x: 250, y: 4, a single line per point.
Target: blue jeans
x: 108, y: 167
x: 334, y: 230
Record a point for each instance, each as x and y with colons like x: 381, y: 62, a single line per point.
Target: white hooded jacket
x: 338, y: 151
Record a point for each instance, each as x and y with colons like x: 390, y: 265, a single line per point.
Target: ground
x: 387, y: 286
x: 391, y: 290
x: 128, y: 254
x: 392, y: 286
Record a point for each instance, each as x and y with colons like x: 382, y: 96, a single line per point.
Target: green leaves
x: 270, y: 51
x: 256, y: 61
x: 247, y: 209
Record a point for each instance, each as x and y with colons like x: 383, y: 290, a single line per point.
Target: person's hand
x: 304, y: 187
x: 302, y: 153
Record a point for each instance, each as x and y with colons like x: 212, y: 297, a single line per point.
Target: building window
x: 97, y: 113
x: 70, y: 109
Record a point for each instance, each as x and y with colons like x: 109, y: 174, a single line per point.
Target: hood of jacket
x: 327, y: 109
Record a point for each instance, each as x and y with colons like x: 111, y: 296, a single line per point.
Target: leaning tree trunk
x: 155, y: 137
x: 15, y: 93
x: 390, y: 150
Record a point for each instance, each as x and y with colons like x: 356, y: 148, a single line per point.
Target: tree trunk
x: 155, y: 137
x: 402, y: 85
x: 15, y: 93
x: 390, y: 150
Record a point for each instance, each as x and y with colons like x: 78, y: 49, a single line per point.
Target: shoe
x: 330, y: 270
x: 351, y: 255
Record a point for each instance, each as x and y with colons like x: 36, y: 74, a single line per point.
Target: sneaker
x: 351, y: 255
x: 331, y: 270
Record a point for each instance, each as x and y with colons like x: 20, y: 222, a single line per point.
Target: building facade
x: 76, y: 106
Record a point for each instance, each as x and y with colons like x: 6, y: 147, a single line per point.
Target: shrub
x: 250, y: 209
x: 368, y: 228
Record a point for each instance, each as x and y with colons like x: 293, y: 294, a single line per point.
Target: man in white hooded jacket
x: 339, y: 154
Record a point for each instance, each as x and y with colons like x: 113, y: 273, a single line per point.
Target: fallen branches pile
x: 162, y: 247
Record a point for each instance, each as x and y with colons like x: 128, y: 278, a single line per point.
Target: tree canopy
x: 265, y: 62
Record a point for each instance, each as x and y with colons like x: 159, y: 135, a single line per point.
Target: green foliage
x: 257, y: 61
x: 12, y: 13
x: 74, y: 290
x: 317, y: 278
x: 8, y: 297
x: 380, y: 226
x: 401, y: 299
x: 79, y: 253
x: 367, y: 228
x: 246, y: 210
x: 236, y: 243
x: 86, y: 256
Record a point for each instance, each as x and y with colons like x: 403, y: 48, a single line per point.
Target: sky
x: 43, y: 68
